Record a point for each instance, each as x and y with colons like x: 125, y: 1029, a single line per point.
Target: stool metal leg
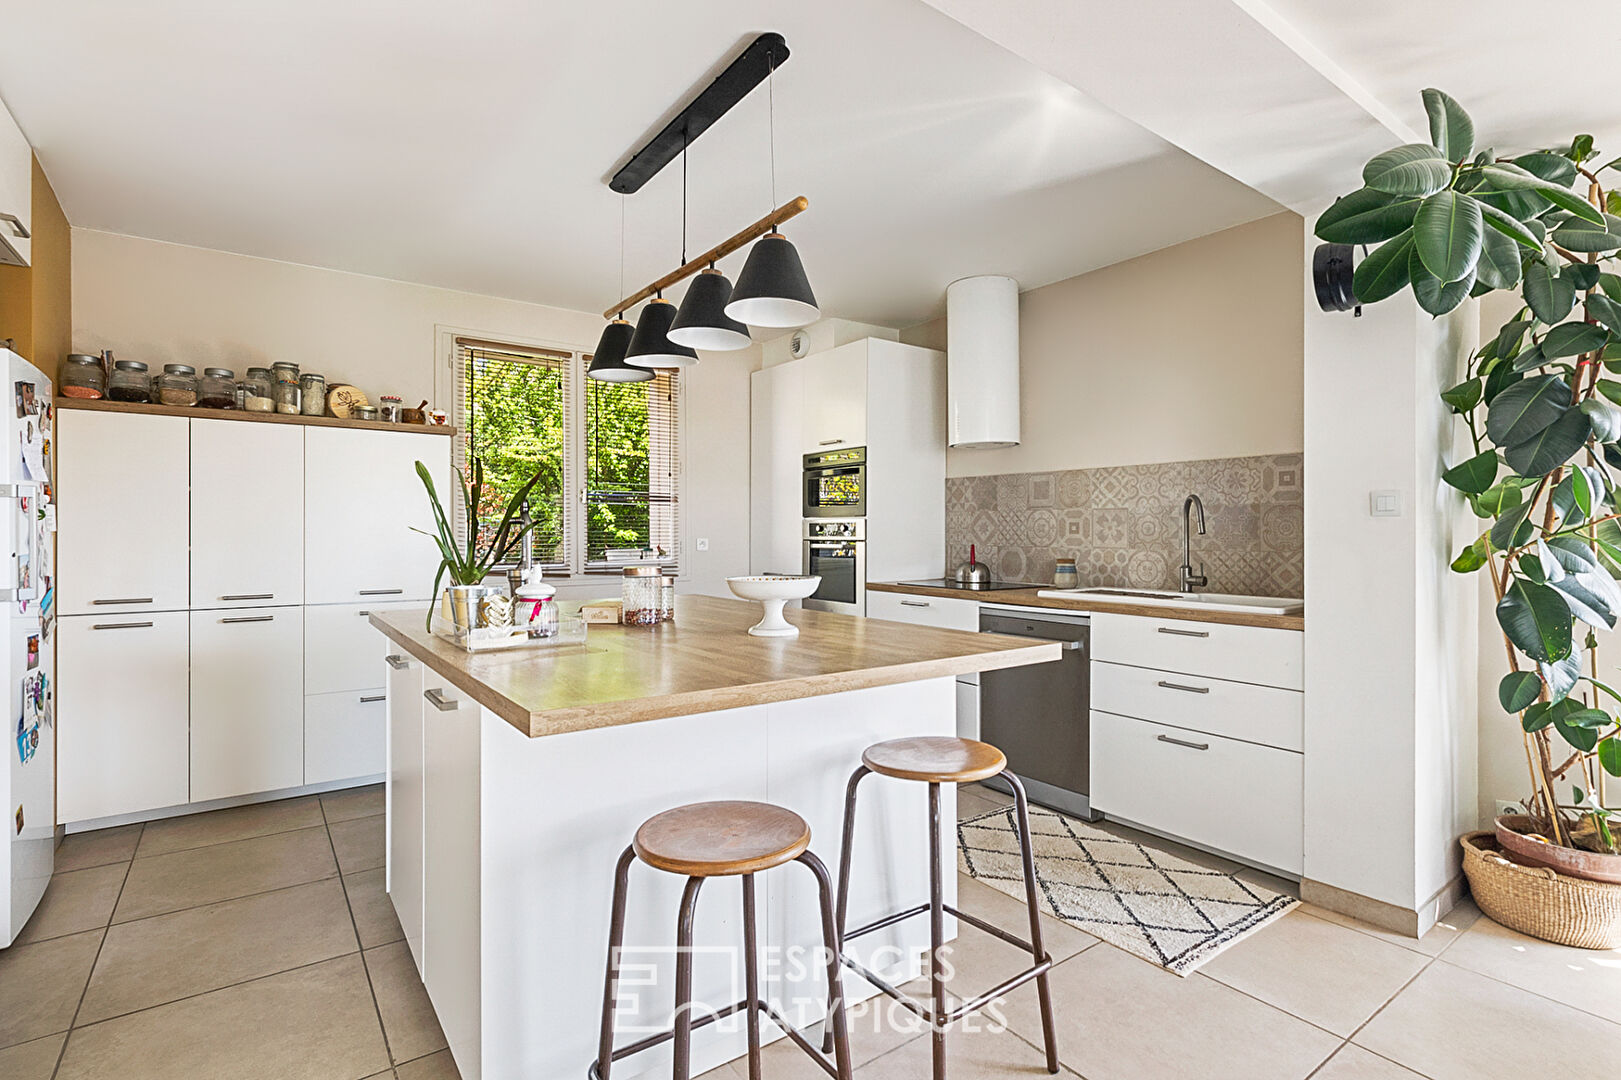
x: 837, y: 1022
x: 841, y: 912
x: 683, y: 979
x: 1027, y: 851
x: 751, y: 976
x: 937, y: 934
x: 616, y: 935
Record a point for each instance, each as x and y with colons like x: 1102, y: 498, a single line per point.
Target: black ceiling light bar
x: 764, y: 54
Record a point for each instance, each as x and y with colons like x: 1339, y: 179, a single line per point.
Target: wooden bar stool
x: 722, y: 839
x: 944, y: 760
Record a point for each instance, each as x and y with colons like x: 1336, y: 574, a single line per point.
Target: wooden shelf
x: 102, y: 405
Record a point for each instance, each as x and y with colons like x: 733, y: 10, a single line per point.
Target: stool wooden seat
x: 935, y: 759
x: 719, y: 839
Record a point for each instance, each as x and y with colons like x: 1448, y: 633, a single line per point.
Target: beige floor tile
x: 971, y: 805
x: 1121, y: 1018
x: 440, y: 1066
x: 990, y: 794
x: 353, y: 803
x: 876, y: 1026
x: 359, y: 843
x: 207, y: 875
x: 313, y: 1023
x: 978, y: 1052
x: 40, y: 985
x: 224, y: 826
x: 999, y: 909
x: 76, y: 901
x: 32, y: 1060
x: 1352, y: 1062
x: 168, y: 957
x: 1441, y: 935
x: 375, y: 918
x: 1326, y: 974
x: 408, y: 1018
x: 97, y: 848
x: 1452, y: 1024
x: 1581, y: 978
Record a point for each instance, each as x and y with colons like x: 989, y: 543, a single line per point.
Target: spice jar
x: 256, y: 391
x: 363, y: 412
x: 389, y: 409
x: 312, y: 389
x: 82, y: 376
x: 217, y: 388
x: 639, y: 595
x: 177, y: 385
x: 1064, y: 575
x: 130, y: 381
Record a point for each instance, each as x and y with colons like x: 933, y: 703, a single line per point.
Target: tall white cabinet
x: 215, y: 578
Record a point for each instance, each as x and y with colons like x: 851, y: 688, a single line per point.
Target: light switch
x: 1384, y: 503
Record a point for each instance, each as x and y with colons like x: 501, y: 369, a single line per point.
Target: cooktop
x: 984, y: 586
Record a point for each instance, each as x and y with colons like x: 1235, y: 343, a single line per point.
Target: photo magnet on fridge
x: 33, y: 651
x: 27, y: 403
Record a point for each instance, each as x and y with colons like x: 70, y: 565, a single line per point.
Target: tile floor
x: 258, y: 943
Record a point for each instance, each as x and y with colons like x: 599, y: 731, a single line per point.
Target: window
x: 608, y: 454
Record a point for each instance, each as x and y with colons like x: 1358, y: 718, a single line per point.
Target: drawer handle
x: 830, y: 442
x: 369, y: 698
x: 119, y: 625
x: 1183, y: 742
x: 381, y: 592
x: 129, y: 600
x: 397, y: 662
x: 362, y: 613
x: 915, y: 603
x: 249, y: 618
x: 1184, y: 633
x: 251, y: 596
x: 18, y: 229
x: 437, y: 697
x: 1189, y: 689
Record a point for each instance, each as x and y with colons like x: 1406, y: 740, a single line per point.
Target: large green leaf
x: 1451, y: 130
x: 1474, y: 556
x: 1536, y: 620
x: 1552, y: 446
x: 1518, y: 690
x: 1561, y: 676
x: 1554, y: 168
x: 1508, y: 225
x: 1584, y: 602
x: 1497, y: 498
x: 1527, y: 407
x: 1573, y: 339
x: 1609, y: 755
x: 1605, y: 310
x: 1366, y: 216
x: 1550, y: 297
x: 1512, y: 530
x: 1464, y: 396
x: 1447, y: 232
x: 1434, y: 295
x: 1574, y: 732
x: 1605, y: 419
x: 1413, y: 169
x: 1530, y: 357
x: 1386, y: 270
x: 1582, y: 275
x: 1503, y: 177
x: 1499, y: 265
x: 1475, y: 475
x: 1501, y: 378
x: 1580, y: 235
x: 1508, y: 338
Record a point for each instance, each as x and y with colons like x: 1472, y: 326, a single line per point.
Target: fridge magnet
x: 19, y: 819
x: 27, y: 404
x: 47, y: 712
x: 32, y: 454
x: 27, y: 741
x: 33, y: 651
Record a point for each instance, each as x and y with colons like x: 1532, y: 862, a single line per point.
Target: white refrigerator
x: 28, y: 782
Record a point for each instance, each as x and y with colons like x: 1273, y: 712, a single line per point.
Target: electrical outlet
x: 1508, y: 806
x: 703, y: 543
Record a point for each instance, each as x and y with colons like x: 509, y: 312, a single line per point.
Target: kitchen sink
x: 1261, y: 605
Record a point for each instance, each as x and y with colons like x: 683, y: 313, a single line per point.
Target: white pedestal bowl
x: 773, y: 591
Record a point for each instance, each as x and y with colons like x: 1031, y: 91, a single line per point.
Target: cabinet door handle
x: 249, y: 618
x: 830, y: 442
x: 18, y: 229
x: 1182, y: 742
x: 251, y: 596
x: 381, y: 592
x: 126, y: 600
x: 397, y: 662
x: 1189, y: 689
x: 362, y: 613
x: 440, y: 702
x: 119, y: 625
x: 1184, y: 633
x: 915, y: 603
x: 369, y: 698
x: 1074, y: 646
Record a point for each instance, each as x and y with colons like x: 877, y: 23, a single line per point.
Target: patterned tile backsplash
x: 1123, y: 526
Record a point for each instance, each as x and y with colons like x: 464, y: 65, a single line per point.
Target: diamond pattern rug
x: 1151, y: 903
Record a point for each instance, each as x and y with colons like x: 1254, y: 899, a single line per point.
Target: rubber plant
x: 471, y: 564
x: 1452, y: 222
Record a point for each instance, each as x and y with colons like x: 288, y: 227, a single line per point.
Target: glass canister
x: 257, y: 395
x: 639, y: 595
x: 363, y: 412
x: 288, y: 398
x: 666, y: 599
x: 1064, y: 575
x: 312, y: 389
x: 177, y: 385
x: 284, y: 371
x: 217, y: 388
x: 389, y: 409
x: 130, y: 381
x: 82, y: 376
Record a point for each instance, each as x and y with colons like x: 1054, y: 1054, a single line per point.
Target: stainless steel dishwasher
x: 1040, y: 715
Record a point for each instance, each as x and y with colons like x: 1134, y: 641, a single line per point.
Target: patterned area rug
x: 1167, y: 910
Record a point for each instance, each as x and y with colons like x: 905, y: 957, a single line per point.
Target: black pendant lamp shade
x: 702, y: 323
x: 772, y: 290
x: 608, y: 362
x: 650, y: 346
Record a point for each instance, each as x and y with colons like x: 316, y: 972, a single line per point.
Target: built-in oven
x: 836, y: 551
x: 836, y: 484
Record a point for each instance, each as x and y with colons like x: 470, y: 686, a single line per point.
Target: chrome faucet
x: 518, y: 576
x: 1190, y: 580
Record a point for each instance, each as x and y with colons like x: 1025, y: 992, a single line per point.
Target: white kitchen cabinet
x: 121, y: 713
x: 16, y: 193
x: 247, y: 514
x: 405, y: 707
x: 344, y: 735
x: 247, y: 702
x: 362, y: 497
x: 123, y: 512
x: 835, y: 401
x: 342, y: 650
x: 1257, y: 654
x: 947, y: 613
x: 1237, y: 710
x: 777, y: 403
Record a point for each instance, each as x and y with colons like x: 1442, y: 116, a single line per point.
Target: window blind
x: 632, y: 472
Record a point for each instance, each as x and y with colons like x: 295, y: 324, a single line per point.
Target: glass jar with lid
x: 284, y: 371
x: 288, y: 399
x: 639, y: 595
x: 312, y: 391
x: 217, y: 388
x: 177, y: 385
x: 389, y: 408
x: 130, y: 381
x: 256, y: 391
x: 82, y: 376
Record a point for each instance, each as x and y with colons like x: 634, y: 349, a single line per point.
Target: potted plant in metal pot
x: 1452, y: 221
x: 468, y: 566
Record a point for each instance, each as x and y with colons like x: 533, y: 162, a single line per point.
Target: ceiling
x: 467, y: 145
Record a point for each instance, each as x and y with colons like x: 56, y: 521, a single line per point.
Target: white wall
x: 168, y: 303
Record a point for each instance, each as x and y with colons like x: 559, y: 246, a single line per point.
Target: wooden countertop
x: 1029, y: 598
x: 702, y: 662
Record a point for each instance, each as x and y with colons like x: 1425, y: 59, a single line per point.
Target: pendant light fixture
x: 773, y: 290
x: 608, y: 362
x: 650, y: 346
x: 702, y: 322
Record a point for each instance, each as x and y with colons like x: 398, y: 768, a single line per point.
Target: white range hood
x: 982, y: 363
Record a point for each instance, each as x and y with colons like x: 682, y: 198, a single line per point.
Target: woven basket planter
x: 1537, y: 901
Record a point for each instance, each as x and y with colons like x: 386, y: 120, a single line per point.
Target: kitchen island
x: 515, y: 780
